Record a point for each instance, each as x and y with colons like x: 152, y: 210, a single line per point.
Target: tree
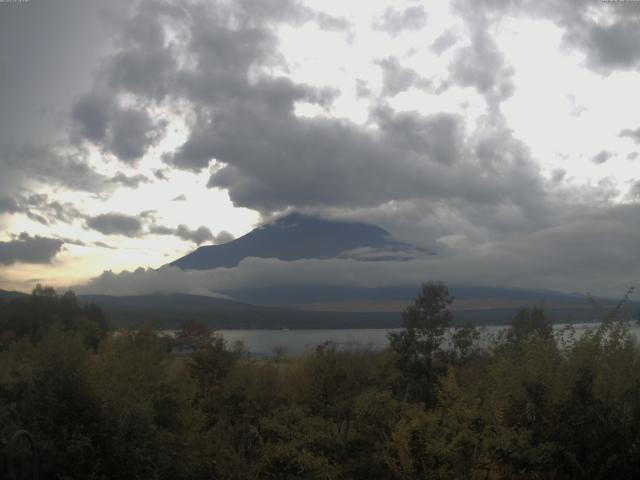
x: 33, y: 316
x: 464, y: 341
x: 424, y: 325
x: 528, y: 322
x: 193, y: 335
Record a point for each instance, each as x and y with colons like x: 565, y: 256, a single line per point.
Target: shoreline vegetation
x: 530, y: 402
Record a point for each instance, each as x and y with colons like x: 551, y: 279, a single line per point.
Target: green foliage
x: 528, y: 322
x: 424, y: 326
x: 136, y: 405
x: 33, y: 316
x: 299, y: 446
x: 464, y: 342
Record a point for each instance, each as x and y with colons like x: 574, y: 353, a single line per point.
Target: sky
x: 501, y: 135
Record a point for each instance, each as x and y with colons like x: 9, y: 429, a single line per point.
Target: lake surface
x: 298, y: 342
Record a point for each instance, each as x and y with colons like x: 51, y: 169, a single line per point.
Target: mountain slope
x: 9, y: 294
x: 169, y: 311
x: 293, y: 237
x: 492, y: 306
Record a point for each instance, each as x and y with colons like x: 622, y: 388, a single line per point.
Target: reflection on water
x: 297, y: 342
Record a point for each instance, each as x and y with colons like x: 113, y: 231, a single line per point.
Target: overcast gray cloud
x: 602, y: 157
x: 130, y: 181
x: 396, y: 78
x: 394, y: 21
x: 51, y: 165
x: 607, y: 33
x: 8, y: 205
x: 480, y: 64
x: 127, y: 133
x: 632, y: 134
x: 270, y: 159
x: 116, y: 224
x: 471, y: 191
x: 48, y: 53
x: 92, y: 115
x: 28, y: 249
x: 444, y: 41
x: 40, y: 208
x: 198, y: 236
x: 567, y: 257
x: 132, y: 133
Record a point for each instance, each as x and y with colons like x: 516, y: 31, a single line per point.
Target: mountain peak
x: 292, y: 237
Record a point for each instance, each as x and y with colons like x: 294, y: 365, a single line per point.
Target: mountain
x: 323, y: 308
x: 489, y: 305
x: 299, y: 236
x: 482, y: 305
x: 169, y: 311
x: 295, y: 237
x: 7, y: 294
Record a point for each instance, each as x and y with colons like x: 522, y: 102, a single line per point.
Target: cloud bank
x: 463, y: 186
x: 28, y: 249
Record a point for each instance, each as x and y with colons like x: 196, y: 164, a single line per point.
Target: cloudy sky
x: 502, y: 135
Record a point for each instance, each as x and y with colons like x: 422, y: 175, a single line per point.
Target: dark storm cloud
x: 142, y: 71
x: 28, y: 249
x: 92, y: 115
x: 242, y: 116
x: 437, y: 136
x: 132, y: 133
x: 127, y: 133
x: 602, y: 157
x: 396, y: 78
x: 395, y: 21
x: 270, y: 159
x: 116, y: 224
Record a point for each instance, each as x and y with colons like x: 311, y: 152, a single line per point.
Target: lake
x: 298, y: 342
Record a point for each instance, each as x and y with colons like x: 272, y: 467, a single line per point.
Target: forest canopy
x: 439, y: 402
